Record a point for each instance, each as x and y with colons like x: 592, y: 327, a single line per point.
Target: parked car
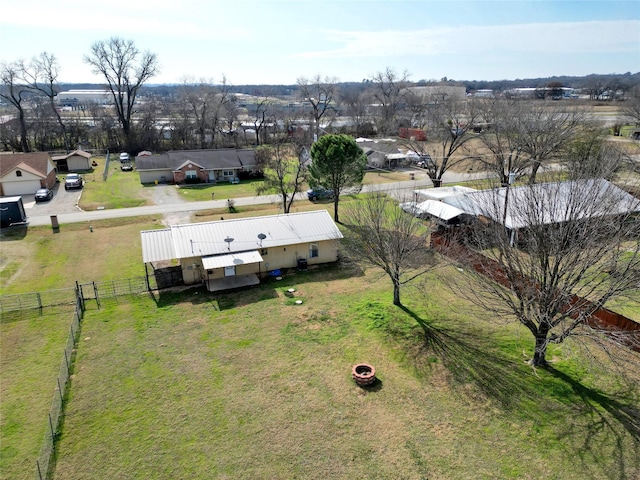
x: 319, y: 193
x: 424, y: 160
x: 44, y: 194
x: 124, y: 157
x: 126, y: 166
x: 73, y: 180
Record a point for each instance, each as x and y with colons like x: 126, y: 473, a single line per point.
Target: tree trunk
x: 534, y: 172
x: 539, y: 356
x: 335, y: 209
x: 396, y: 294
x: 436, y: 182
x: 24, y: 139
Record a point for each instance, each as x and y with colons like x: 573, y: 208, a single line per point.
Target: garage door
x: 28, y: 187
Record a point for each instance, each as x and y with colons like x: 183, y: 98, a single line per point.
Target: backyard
x: 250, y: 385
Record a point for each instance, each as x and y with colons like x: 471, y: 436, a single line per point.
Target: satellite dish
x: 228, y: 240
x: 261, y: 236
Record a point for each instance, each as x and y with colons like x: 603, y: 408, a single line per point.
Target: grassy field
x: 119, y: 190
x: 250, y: 385
x: 31, y: 354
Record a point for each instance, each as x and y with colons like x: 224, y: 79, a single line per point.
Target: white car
x: 124, y: 157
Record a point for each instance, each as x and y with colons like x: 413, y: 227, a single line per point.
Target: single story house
x: 76, y: 161
x: 25, y: 173
x: 516, y: 208
x: 229, y: 254
x: 196, y: 166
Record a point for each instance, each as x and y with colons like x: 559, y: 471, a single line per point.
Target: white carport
x: 442, y: 212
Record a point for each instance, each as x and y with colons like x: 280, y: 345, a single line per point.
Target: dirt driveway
x: 168, y: 195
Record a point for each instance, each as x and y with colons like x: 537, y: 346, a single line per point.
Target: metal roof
x: 442, y: 192
x: 231, y: 259
x: 547, y: 203
x: 434, y: 208
x: 237, y: 235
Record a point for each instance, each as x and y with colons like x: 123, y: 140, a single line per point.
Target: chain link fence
x: 13, y: 307
x: 43, y: 463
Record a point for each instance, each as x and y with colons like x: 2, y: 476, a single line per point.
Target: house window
x: 228, y: 173
x: 191, y: 174
x: 313, y: 251
x: 18, y: 173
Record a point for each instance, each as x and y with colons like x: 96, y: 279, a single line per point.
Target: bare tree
x: 201, y: 100
x: 589, y: 155
x: 125, y: 70
x: 388, y: 89
x: 544, y: 129
x: 320, y: 93
x: 379, y: 233
x: 16, y: 92
x: 506, y: 154
x: 356, y: 103
x: 449, y: 123
x: 284, y: 170
x: 42, y: 76
x: 631, y: 107
x: 261, y: 117
x: 579, y: 250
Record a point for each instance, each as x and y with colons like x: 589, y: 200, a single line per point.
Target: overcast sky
x: 278, y: 41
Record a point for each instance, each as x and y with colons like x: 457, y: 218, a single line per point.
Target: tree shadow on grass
x: 597, y: 418
x: 605, y: 419
x: 470, y: 357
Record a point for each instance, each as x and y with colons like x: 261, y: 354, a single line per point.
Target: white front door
x: 229, y: 271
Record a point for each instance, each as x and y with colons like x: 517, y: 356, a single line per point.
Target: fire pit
x: 363, y: 374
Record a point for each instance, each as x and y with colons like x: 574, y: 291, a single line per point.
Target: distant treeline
x: 612, y: 81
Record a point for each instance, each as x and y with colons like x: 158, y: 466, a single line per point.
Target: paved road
x: 64, y: 205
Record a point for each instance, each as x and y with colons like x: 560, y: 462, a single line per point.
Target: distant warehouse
x: 73, y: 98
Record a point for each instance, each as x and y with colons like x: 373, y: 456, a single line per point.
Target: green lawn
x: 32, y: 346
x: 250, y: 385
x: 119, y: 190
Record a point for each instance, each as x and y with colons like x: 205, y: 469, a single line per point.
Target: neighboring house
x: 229, y: 254
x: 76, y: 161
x: 382, y: 154
x: 24, y: 173
x: 512, y: 206
x: 196, y: 166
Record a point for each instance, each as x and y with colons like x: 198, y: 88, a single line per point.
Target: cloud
x: 122, y: 18
x: 552, y: 38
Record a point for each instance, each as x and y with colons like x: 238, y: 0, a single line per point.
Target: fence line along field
x: 252, y: 385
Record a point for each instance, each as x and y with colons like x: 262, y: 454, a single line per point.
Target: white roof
x: 547, y: 203
x: 432, y: 207
x: 231, y: 259
x: 239, y: 235
x: 442, y: 192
